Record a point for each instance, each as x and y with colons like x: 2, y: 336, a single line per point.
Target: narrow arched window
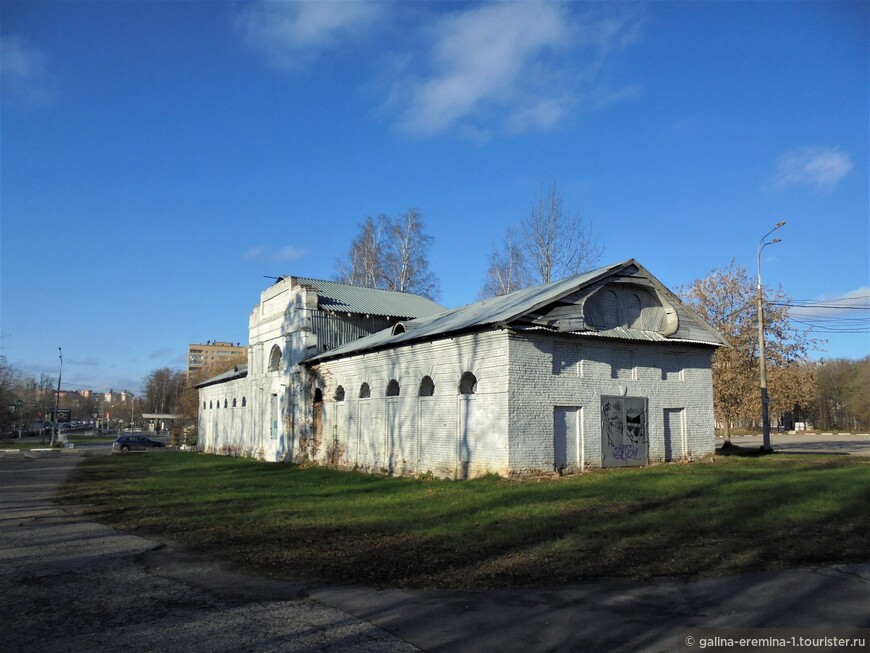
x: 275, y: 359
x: 467, y: 384
x: 234, y: 402
x: 225, y: 403
x: 427, y: 387
x: 364, y: 391
x: 318, y: 395
x: 633, y: 308
x: 339, y: 393
x: 244, y: 402
x: 210, y: 406
x: 393, y: 388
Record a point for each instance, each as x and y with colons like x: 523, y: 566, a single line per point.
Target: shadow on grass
x: 746, y: 513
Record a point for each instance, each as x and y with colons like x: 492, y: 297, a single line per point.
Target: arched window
x: 393, y: 388
x: 275, y: 359
x: 234, y: 402
x: 398, y: 329
x: 633, y: 307
x: 427, y: 387
x: 318, y: 395
x: 210, y: 405
x: 364, y: 391
x: 244, y: 402
x: 467, y: 384
x: 225, y: 403
x: 339, y: 393
x: 217, y: 404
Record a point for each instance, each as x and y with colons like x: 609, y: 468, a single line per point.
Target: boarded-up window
x: 633, y: 307
x: 676, y: 446
x: 566, y: 438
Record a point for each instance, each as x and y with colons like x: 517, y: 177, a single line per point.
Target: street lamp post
x: 54, y: 433
x: 762, y: 362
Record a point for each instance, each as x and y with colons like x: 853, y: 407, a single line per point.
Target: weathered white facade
x: 604, y: 369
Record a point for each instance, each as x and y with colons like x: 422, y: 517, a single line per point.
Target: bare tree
x: 163, y: 388
x: 507, y: 269
x: 406, y: 265
x: 552, y: 245
x: 391, y: 254
x: 364, y: 266
x: 556, y: 244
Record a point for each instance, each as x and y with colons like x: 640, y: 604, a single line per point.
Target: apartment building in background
x: 214, y: 352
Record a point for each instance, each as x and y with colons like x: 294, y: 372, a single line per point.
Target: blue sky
x: 159, y: 159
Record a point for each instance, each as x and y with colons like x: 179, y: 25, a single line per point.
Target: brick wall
x: 548, y: 371
x: 447, y: 434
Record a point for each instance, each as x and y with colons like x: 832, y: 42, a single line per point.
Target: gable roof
x: 508, y: 310
x: 345, y: 298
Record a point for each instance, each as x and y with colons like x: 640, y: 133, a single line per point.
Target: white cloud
x: 24, y: 72
x: 473, y: 69
x: 286, y: 253
x: 819, y: 167
x: 293, y: 34
x: 515, y: 65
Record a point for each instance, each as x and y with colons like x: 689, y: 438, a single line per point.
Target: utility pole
x: 54, y: 432
x: 762, y: 363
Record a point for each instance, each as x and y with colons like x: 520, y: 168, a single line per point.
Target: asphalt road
x: 841, y: 444
x: 68, y: 584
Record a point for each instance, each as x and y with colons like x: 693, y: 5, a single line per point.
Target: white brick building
x: 607, y: 368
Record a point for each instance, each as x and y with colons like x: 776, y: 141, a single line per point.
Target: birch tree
x: 507, y: 268
x: 391, y: 254
x: 557, y: 244
x: 552, y: 244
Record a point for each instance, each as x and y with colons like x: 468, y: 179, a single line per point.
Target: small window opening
x: 364, y: 391
x: 234, y: 402
x: 427, y: 387
x: 393, y: 388
x: 244, y: 402
x: 339, y: 393
x: 275, y: 359
x: 318, y: 395
x: 468, y: 384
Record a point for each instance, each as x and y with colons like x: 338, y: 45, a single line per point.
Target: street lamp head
x: 775, y: 240
x: 779, y: 224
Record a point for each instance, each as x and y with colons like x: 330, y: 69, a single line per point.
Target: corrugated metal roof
x: 489, y: 311
x: 344, y: 298
x: 238, y: 372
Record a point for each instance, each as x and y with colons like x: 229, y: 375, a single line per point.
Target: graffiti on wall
x: 624, y: 431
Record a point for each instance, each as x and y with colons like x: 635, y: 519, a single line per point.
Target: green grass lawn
x: 728, y: 516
